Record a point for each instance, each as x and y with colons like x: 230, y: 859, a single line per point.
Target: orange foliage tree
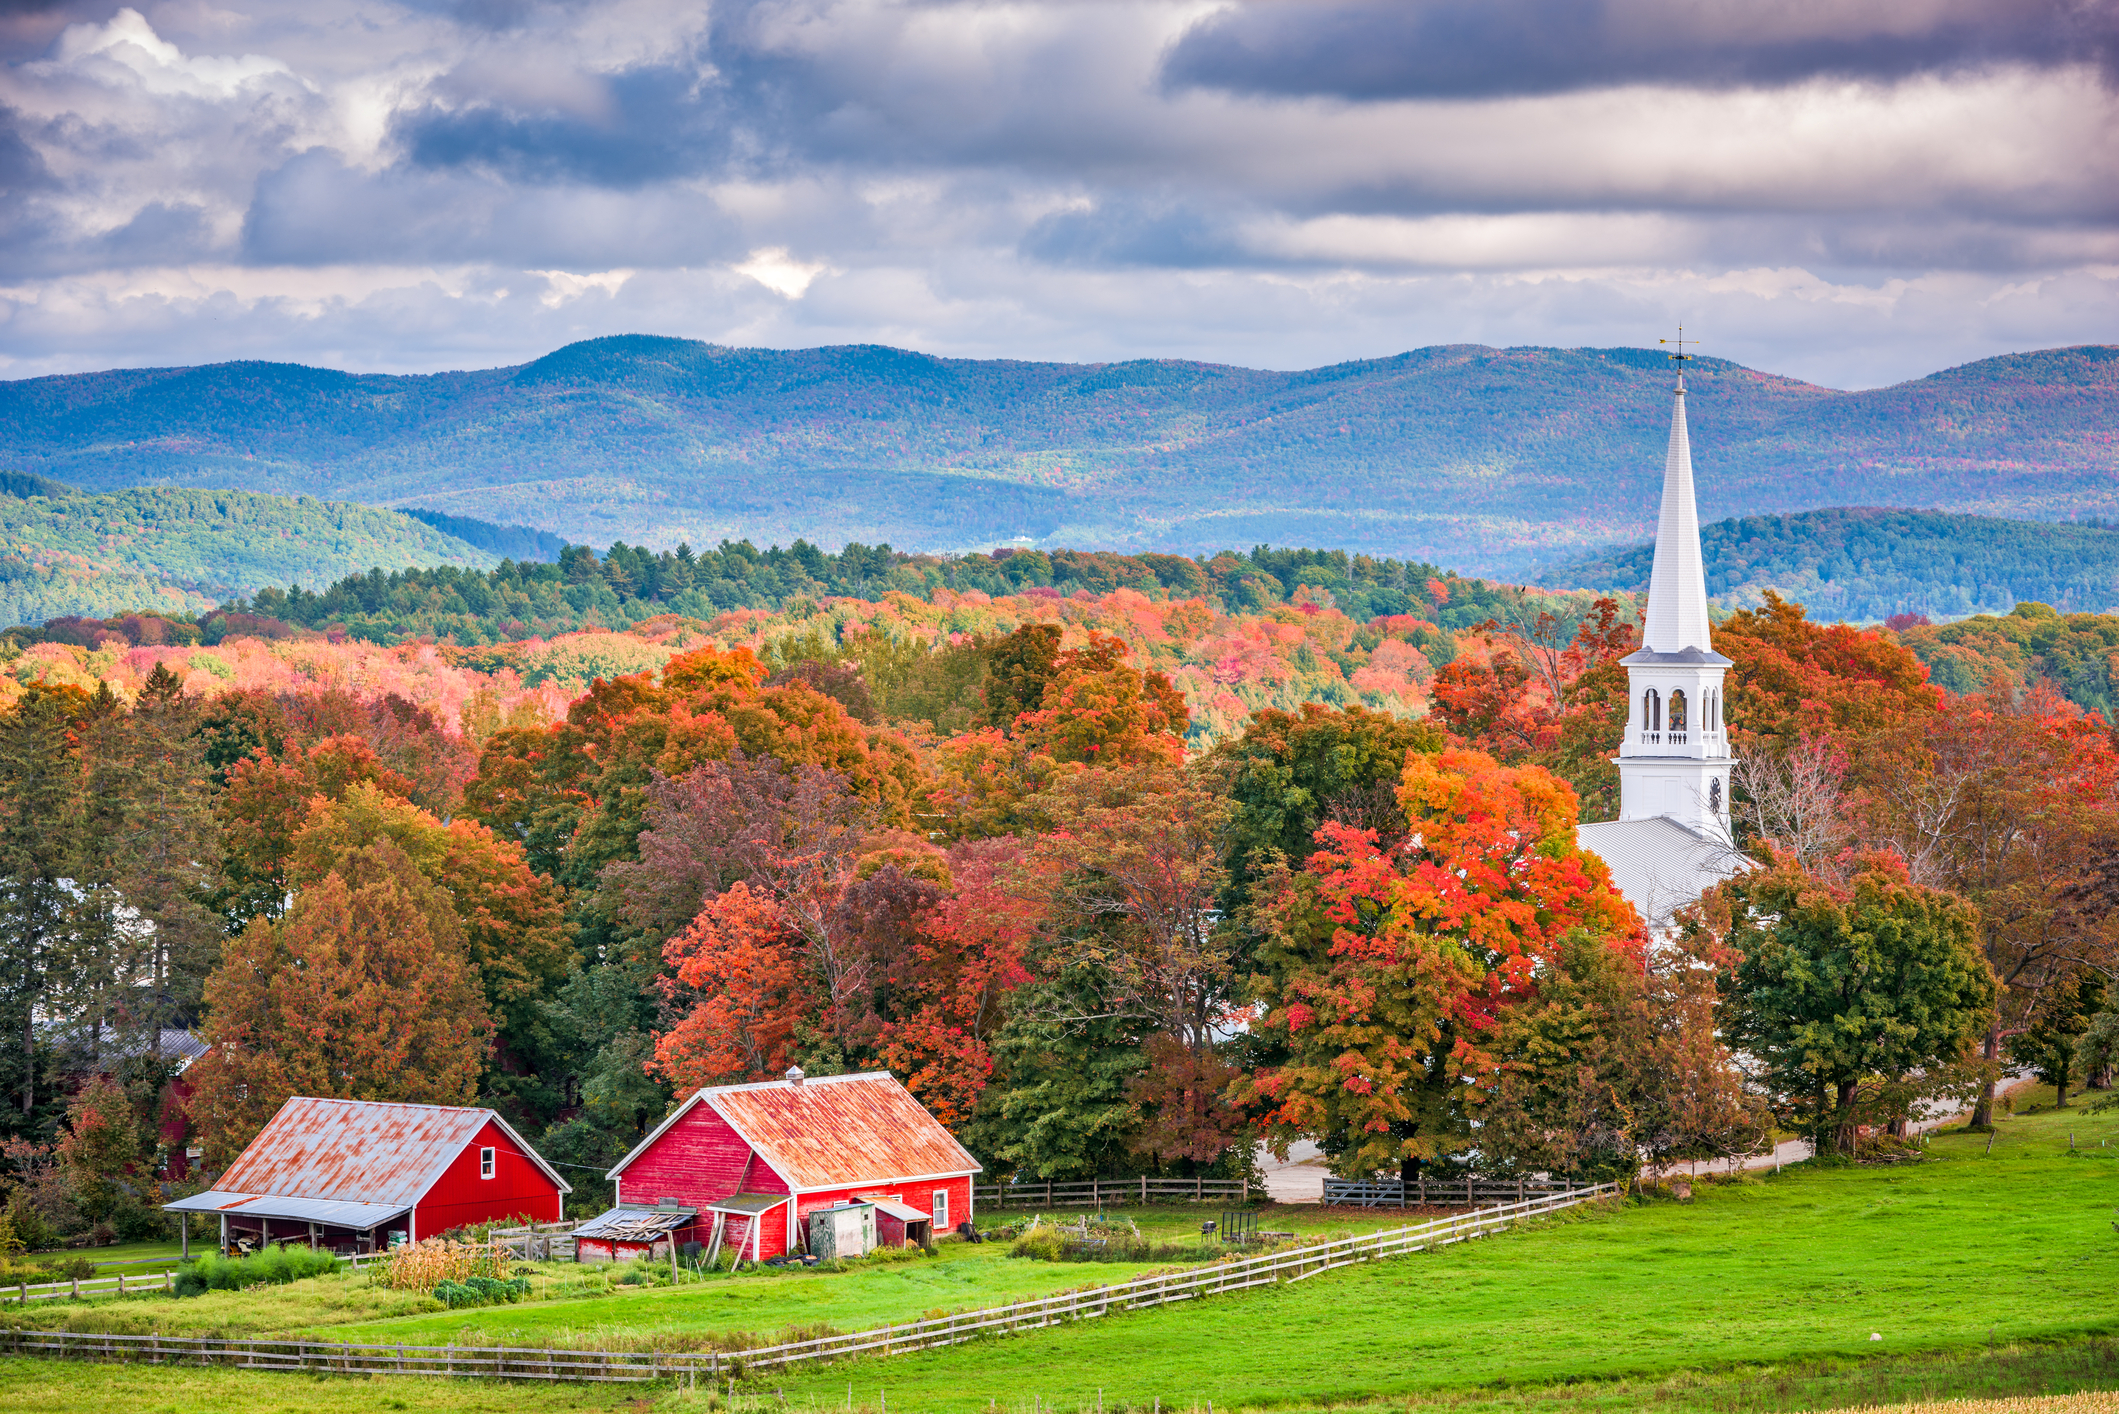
x: 1386, y: 974
x: 738, y: 973
x: 362, y: 991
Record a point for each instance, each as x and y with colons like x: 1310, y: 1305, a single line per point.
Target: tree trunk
x: 1983, y: 1112
x: 1844, y: 1137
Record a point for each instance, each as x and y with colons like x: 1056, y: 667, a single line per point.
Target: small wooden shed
x: 756, y: 1160
x: 355, y: 1175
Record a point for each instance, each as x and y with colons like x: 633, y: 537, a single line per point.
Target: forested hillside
x: 963, y: 839
x: 1490, y: 460
x: 628, y: 584
x: 1867, y: 564
x: 180, y: 551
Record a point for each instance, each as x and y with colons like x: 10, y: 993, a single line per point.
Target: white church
x: 1672, y: 838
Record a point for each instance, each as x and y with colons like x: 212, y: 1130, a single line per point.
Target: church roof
x: 1659, y: 864
x: 1677, y: 587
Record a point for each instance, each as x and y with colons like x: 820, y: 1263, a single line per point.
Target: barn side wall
x: 698, y: 1160
x: 919, y: 1195
x: 517, y: 1187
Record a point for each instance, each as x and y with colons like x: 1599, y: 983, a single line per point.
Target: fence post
x: 1096, y: 1198
x: 1144, y: 1190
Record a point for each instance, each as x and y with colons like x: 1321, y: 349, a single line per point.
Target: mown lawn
x: 1949, y: 1254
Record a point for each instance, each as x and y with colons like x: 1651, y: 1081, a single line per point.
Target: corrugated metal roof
x: 268, y: 1205
x: 903, y: 1212
x: 841, y: 1129
x: 831, y: 1131
x: 636, y: 1224
x: 361, y: 1151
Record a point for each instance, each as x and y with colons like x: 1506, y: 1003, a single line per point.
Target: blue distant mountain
x: 1492, y: 460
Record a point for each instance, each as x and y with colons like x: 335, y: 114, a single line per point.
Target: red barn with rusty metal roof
x: 754, y: 1160
x: 348, y: 1173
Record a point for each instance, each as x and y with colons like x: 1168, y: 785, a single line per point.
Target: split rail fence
x: 1096, y: 1192
x: 520, y: 1363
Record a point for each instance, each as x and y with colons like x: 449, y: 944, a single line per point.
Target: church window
x: 1651, y: 711
x: 1677, y: 710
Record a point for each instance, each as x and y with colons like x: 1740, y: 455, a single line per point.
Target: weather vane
x: 1681, y: 356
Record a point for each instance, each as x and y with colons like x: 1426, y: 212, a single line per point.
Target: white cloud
x: 565, y: 286
x: 774, y: 268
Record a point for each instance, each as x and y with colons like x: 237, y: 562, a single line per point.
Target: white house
x: 1672, y: 838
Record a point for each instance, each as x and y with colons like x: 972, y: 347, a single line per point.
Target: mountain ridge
x: 1497, y: 460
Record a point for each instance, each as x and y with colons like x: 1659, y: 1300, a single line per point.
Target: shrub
x: 1040, y: 1244
x: 271, y: 1267
x: 480, y: 1291
x: 103, y: 1234
x: 886, y: 1255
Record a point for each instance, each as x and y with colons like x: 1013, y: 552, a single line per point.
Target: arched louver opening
x: 1677, y: 710
x: 1651, y: 711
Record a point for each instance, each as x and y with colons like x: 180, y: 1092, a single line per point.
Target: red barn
x: 749, y: 1163
x: 353, y: 1174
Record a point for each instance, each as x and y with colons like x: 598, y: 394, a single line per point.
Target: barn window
x: 485, y: 1163
x: 941, y: 1210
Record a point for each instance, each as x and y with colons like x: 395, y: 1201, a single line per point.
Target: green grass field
x: 1947, y: 1255
x: 577, y: 1306
x: 1984, y: 1274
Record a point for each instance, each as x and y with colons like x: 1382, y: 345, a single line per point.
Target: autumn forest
x: 1117, y: 877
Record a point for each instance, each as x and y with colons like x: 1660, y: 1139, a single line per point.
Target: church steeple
x: 1677, y: 587
x: 1674, y: 761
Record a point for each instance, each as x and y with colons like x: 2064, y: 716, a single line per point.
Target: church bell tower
x: 1675, y: 758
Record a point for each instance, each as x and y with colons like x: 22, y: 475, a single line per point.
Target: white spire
x: 1677, y: 588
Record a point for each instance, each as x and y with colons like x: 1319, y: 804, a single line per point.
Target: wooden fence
x: 1097, y: 1192
x: 119, y: 1285
x: 1395, y: 1193
x: 521, y: 1363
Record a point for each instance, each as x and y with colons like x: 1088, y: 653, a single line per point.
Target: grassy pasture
x: 1947, y: 1255
x: 579, y: 1306
x: 1988, y: 1275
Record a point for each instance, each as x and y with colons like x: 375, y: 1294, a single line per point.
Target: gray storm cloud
x: 1505, y: 48
x: 1853, y: 192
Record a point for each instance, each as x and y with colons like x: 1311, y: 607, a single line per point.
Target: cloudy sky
x: 1851, y: 191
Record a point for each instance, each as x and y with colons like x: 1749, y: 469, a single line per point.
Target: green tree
x: 1058, y: 1106
x: 40, y: 802
x: 1291, y: 771
x: 103, y: 1141
x: 155, y: 844
x: 1847, y: 987
x: 2048, y: 1043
